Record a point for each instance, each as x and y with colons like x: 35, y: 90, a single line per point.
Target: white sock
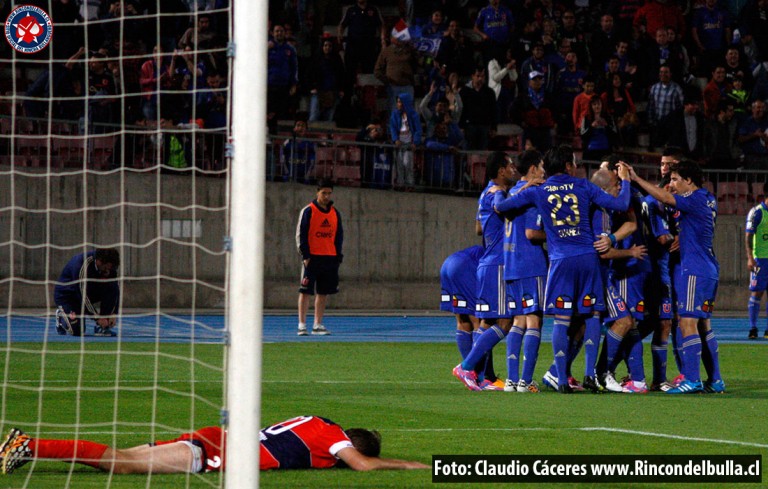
x: 302, y: 325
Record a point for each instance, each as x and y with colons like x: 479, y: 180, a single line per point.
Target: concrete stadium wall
x: 394, y: 242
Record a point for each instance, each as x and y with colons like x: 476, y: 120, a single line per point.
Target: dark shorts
x: 321, y: 276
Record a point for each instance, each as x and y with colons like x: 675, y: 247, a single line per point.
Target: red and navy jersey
x: 305, y: 442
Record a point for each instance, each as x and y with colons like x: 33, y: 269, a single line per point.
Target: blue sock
x: 464, y: 342
x: 531, y: 342
x: 574, y: 347
x: 754, y: 310
x: 560, y: 349
x: 677, y: 340
x: 480, y: 366
x: 710, y: 356
x: 635, y: 357
x: 659, y: 356
x: 482, y: 345
x: 514, y: 342
x: 591, y: 344
x: 613, y: 340
x: 690, y: 355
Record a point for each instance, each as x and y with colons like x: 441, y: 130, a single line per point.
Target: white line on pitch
x: 595, y: 428
x: 675, y: 437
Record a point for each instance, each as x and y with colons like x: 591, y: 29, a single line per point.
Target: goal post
x: 246, y: 291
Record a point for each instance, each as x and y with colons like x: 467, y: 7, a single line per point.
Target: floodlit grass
x: 404, y: 390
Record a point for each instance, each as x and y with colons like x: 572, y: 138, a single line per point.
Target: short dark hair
x: 526, y: 160
x: 108, y: 255
x: 495, y: 161
x: 324, y: 183
x: 613, y: 161
x: 365, y: 441
x: 674, y: 151
x: 688, y: 169
x: 557, y: 158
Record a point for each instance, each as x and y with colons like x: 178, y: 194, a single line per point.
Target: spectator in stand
x: 569, y: 85
x: 122, y: 21
x: 455, y: 52
x: 440, y: 157
x: 496, y: 25
x: 405, y: 133
x: 101, y: 92
x: 738, y: 97
x: 602, y: 42
x: 366, y: 36
x: 212, y: 102
x: 623, y: 14
x: 686, y: 128
x: 200, y: 33
x: 478, y: 117
x: 597, y: 132
x: 658, y: 14
x: 724, y: 152
x: 581, y: 102
x: 734, y: 66
x: 569, y: 30
x: 557, y: 58
x: 375, y: 164
x: 436, y: 27
x: 326, y: 82
x: 179, y: 103
x: 753, y: 138
x: 396, y: 68
x: 441, y: 113
x: 528, y: 36
x: 716, y: 90
x: 534, y: 109
x: 282, y: 77
x: 540, y: 65
x: 753, y: 25
x: 664, y: 98
x: 298, y: 156
x: 619, y: 107
x: 659, y: 53
x: 502, y: 75
x: 711, y: 32
x: 548, y: 37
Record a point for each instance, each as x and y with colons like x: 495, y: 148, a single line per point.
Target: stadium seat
x: 757, y: 192
x: 732, y: 197
x: 27, y: 149
x: 709, y: 187
x: 71, y: 151
x: 476, y: 166
x: 325, y: 159
x: 102, y: 148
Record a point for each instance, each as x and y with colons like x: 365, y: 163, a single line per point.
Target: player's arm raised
x: 657, y: 193
x: 357, y: 461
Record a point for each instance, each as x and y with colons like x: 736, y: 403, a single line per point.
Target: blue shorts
x: 491, y: 298
x: 695, y: 295
x: 658, y: 299
x: 525, y: 295
x: 575, y: 286
x: 458, y: 291
x: 632, y: 290
x: 758, y: 281
x: 616, y: 308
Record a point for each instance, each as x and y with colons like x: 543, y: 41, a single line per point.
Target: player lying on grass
x: 305, y: 442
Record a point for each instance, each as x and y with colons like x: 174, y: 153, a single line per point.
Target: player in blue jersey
x: 756, y: 246
x: 574, y: 291
x: 525, y: 273
x: 458, y: 283
x: 696, y: 279
x: 491, y: 304
x: 616, y: 262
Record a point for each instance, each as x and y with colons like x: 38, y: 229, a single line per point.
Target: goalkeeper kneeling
x: 88, y: 286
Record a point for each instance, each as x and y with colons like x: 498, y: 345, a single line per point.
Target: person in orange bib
x: 319, y: 237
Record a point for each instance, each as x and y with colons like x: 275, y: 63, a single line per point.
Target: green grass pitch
x: 404, y: 390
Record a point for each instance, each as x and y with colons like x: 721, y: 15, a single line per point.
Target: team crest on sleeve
x: 28, y: 29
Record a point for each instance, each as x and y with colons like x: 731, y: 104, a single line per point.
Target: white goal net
x: 116, y: 135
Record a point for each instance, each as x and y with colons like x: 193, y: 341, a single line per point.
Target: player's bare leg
x: 172, y: 458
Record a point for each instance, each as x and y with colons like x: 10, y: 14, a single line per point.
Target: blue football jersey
x: 697, y: 218
x: 523, y: 259
x: 640, y: 237
x: 658, y: 254
x: 564, y: 203
x: 493, y: 229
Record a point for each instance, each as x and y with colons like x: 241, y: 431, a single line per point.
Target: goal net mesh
x: 115, y: 136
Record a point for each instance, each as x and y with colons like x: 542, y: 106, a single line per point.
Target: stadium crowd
x: 634, y: 258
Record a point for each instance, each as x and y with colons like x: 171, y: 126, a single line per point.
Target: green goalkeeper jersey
x: 757, y: 226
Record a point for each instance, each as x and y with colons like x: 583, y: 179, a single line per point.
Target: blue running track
x: 282, y: 328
